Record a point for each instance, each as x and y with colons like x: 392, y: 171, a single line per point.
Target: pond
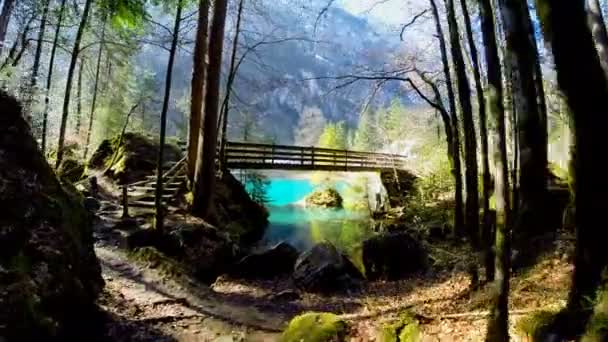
x: 302, y: 227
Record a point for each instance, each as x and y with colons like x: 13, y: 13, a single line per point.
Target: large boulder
x: 324, y: 198
x: 268, y: 263
x: 49, y: 275
x: 315, y: 327
x: 399, y: 185
x: 132, y: 158
x: 200, y: 249
x: 233, y: 209
x: 324, y: 269
x: 392, y: 256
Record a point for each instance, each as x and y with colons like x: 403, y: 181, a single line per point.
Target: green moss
x: 536, y: 325
x: 597, y: 327
x: 189, y: 198
x: 405, y: 329
x: 315, y: 327
x: 157, y: 260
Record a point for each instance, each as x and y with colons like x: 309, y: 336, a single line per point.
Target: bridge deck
x: 280, y: 157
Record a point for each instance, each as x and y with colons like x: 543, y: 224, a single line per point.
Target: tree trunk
x: 231, y: 76
x: 498, y: 321
x: 532, y: 145
x: 5, y: 17
x: 79, y: 95
x: 198, y: 86
x: 456, y: 162
x: 68, y: 86
x: 36, y: 66
x: 483, y: 130
x: 595, y: 20
x: 95, y: 91
x: 470, y: 141
x: 204, y: 180
x: 538, y: 81
x: 14, y: 57
x: 49, y: 76
x: 159, y: 205
x: 581, y: 78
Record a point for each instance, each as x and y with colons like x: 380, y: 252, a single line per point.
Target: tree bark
x: 581, y: 78
x: 483, y: 132
x: 498, y: 327
x: 231, y: 76
x: 79, y: 96
x: 455, y: 146
x: 159, y: 205
x: 538, y: 81
x: 198, y: 86
x: 49, y: 76
x: 597, y: 25
x: 470, y: 141
x: 204, y: 180
x: 5, y: 17
x: 532, y: 145
x: 95, y: 91
x: 68, y: 86
x: 38, y: 54
x: 14, y: 57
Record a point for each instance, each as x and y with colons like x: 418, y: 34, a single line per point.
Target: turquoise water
x: 302, y: 227
x: 286, y: 191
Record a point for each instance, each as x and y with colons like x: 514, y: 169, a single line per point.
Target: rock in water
x: 268, y: 263
x: 392, y: 256
x: 324, y: 269
x: 326, y: 198
x: 49, y: 275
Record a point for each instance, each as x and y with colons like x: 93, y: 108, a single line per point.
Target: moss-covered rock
x: 71, y: 170
x: 399, y: 185
x: 236, y: 213
x: 131, y: 159
x: 49, y: 275
x: 324, y: 269
x: 393, y: 256
x: 324, y: 198
x: 597, y: 326
x: 196, y: 248
x: 267, y: 263
x: 315, y: 327
x: 405, y: 329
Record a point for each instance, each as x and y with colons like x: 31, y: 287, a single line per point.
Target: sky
x: 390, y: 12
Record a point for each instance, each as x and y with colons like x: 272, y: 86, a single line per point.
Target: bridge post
x: 313, y: 156
x: 302, y: 155
x: 345, y: 160
x: 272, y: 155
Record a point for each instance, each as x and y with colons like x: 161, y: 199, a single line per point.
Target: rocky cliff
x: 49, y: 275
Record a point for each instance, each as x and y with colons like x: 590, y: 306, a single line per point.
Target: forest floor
x: 147, y: 305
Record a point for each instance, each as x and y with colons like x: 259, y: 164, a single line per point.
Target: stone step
x: 150, y: 196
x: 172, y: 186
x: 145, y: 188
x: 181, y: 177
x: 144, y: 204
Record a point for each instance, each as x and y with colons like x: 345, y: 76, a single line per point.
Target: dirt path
x: 146, y: 305
x: 142, y: 295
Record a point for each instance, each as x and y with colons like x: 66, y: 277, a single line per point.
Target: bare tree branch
x: 321, y: 13
x: 411, y: 22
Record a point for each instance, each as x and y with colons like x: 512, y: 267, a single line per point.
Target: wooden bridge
x: 249, y: 156
x: 246, y: 156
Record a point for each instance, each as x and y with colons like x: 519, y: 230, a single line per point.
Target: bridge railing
x: 250, y: 155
